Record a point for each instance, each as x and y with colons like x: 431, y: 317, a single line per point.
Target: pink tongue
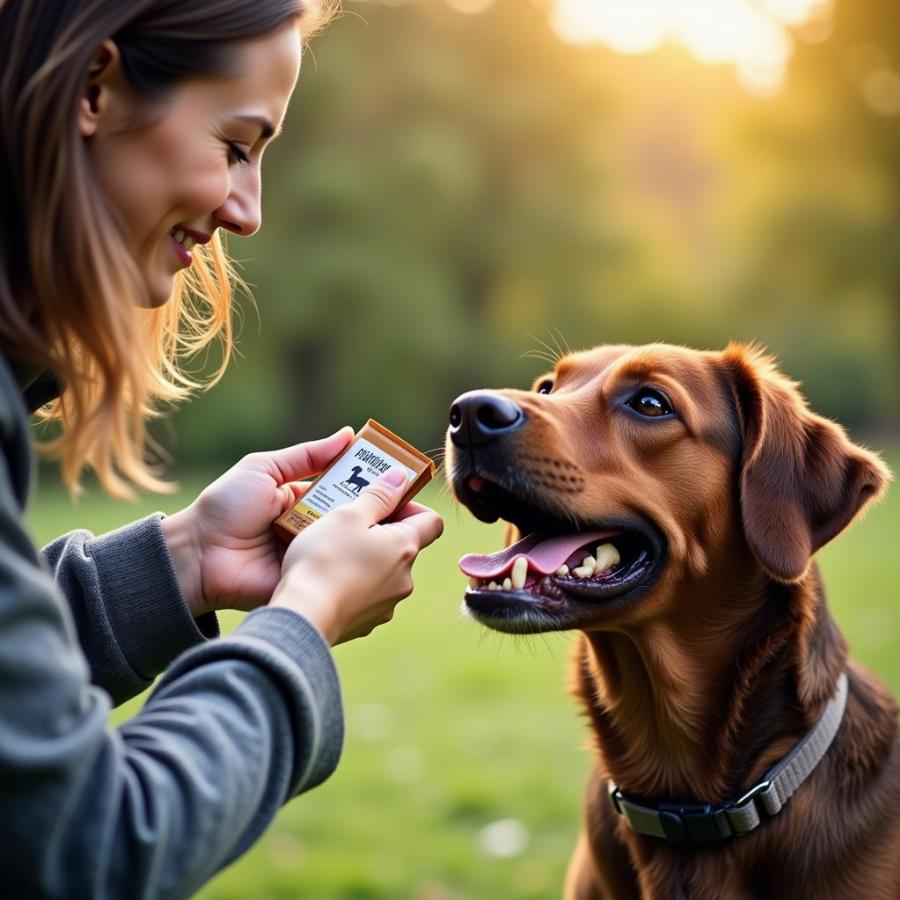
x: 543, y: 556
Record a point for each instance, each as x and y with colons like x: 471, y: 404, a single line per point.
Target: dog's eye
x: 651, y: 403
x: 545, y: 386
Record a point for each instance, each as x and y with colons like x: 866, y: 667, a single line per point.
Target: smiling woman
x: 131, y: 134
x: 176, y: 178
x: 96, y: 227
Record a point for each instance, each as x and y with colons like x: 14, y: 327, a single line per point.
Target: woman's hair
x: 70, y: 294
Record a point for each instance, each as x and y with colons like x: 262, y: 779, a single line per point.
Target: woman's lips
x: 181, y: 252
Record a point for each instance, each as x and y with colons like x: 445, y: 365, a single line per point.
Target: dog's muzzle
x: 479, y: 418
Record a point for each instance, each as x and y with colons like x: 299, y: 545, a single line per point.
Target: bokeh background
x: 460, y: 183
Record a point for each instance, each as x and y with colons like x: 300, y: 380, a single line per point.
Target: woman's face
x: 194, y: 166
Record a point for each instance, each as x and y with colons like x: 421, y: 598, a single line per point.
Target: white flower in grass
x: 504, y: 838
x: 405, y: 764
x: 372, y: 721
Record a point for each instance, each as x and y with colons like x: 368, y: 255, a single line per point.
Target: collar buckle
x: 704, y: 825
x: 694, y: 824
x: 752, y: 793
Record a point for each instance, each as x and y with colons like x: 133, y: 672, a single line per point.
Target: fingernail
x: 394, y: 477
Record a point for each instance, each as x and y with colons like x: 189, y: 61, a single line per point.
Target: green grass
x: 451, y: 728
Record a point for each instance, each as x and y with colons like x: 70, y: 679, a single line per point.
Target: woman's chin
x: 158, y: 292
x: 154, y: 302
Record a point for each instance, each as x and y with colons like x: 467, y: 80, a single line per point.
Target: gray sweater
x: 234, y: 727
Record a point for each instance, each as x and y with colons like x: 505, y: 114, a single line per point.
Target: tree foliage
x: 452, y: 189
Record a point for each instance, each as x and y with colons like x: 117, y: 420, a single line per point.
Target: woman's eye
x: 545, y: 387
x: 235, y: 153
x: 651, y: 403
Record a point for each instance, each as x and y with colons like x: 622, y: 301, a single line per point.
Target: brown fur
x: 696, y: 689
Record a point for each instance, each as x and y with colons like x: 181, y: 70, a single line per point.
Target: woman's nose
x: 241, y: 213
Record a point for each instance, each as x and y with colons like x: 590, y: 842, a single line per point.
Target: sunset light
x: 753, y: 35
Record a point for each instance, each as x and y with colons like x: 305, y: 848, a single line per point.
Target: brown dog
x: 672, y: 501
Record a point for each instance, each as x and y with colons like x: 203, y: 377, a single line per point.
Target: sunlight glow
x: 471, y: 7
x: 750, y: 34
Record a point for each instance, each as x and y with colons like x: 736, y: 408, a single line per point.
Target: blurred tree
x: 820, y: 213
x: 436, y: 195
x: 449, y: 184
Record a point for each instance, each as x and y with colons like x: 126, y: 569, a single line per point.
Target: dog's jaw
x: 549, y: 599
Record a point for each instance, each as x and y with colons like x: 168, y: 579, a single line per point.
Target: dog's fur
x: 697, y: 687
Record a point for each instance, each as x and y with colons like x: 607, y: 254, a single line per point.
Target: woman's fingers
x: 378, y: 503
x: 309, y: 458
x: 380, y: 499
x: 293, y: 491
x: 409, y: 510
x: 347, y: 571
x: 425, y: 523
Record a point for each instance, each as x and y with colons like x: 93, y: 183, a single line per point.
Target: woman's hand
x: 345, y: 573
x: 225, y: 552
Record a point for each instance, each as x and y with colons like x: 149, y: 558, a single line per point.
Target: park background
x: 458, y: 184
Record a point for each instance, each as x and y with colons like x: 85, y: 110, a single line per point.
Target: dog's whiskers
x: 553, y: 353
x: 558, y: 339
x: 543, y: 356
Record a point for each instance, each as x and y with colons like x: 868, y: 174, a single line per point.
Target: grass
x: 451, y: 729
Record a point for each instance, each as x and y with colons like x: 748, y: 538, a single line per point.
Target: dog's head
x: 630, y: 471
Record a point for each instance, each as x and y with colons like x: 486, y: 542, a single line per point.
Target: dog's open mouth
x: 563, y: 573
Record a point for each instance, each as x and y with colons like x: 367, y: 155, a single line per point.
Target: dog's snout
x: 480, y: 417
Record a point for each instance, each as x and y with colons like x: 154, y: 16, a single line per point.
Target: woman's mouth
x: 182, y: 244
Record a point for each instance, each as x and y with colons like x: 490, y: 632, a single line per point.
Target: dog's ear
x: 801, y: 479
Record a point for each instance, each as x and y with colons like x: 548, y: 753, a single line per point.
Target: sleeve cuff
x: 314, y: 673
x: 146, y: 609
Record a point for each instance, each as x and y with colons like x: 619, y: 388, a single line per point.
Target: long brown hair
x: 70, y: 295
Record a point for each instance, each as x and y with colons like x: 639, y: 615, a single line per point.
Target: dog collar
x: 703, y: 824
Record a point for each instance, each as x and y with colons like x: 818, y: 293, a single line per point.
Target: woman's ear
x: 104, y: 80
x: 801, y: 479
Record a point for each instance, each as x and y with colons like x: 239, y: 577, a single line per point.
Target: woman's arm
x: 153, y: 809
x: 142, y: 594
x: 131, y: 617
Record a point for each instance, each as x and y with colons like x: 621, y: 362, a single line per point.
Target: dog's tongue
x: 544, y: 556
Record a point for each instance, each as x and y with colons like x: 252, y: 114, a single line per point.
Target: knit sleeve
x: 131, y: 617
x: 153, y: 809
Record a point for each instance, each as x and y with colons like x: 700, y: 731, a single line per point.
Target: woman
x: 132, y: 135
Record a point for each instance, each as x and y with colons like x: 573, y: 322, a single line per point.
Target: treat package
x: 374, y: 450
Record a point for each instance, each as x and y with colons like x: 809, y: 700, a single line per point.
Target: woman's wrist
x: 306, y: 601
x: 180, y: 536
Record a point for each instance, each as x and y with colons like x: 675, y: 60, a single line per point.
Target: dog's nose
x: 480, y: 417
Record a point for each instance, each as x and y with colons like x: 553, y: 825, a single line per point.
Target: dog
x: 355, y: 483
x: 666, y: 504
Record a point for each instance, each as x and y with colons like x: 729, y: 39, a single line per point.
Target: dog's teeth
x: 507, y: 584
x: 607, y: 556
x: 493, y: 586
x: 562, y: 570
x: 589, y: 563
x: 582, y: 572
x: 474, y: 582
x: 519, y: 573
